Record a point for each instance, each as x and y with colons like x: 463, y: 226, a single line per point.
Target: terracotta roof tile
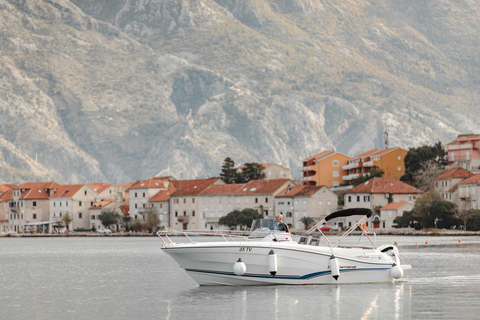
x: 226, y: 189
x: 102, y: 204
x: 268, y: 187
x: 453, y: 189
x: 290, y: 191
x: 67, y: 191
x: 162, y: 195
x: 367, y: 153
x: 455, y: 173
x: 156, y: 182
x: 319, y: 155
x: 38, y: 185
x: 308, y: 191
x: 384, y: 185
x: 473, y: 179
x: 394, y: 205
x: 6, y: 196
x: 192, y: 187
x: 99, y: 187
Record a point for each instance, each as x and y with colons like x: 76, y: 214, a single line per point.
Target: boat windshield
x: 262, y: 227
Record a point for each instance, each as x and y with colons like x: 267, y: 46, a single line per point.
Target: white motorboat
x: 269, y: 256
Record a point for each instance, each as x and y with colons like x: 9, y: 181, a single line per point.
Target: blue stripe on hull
x: 304, y: 277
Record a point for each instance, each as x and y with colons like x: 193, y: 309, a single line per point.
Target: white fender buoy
x: 334, y: 267
x: 396, y: 272
x: 239, y: 268
x: 272, y: 263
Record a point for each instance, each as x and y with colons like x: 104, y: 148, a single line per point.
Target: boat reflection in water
x: 269, y: 256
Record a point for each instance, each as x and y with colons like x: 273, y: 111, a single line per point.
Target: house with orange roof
x: 468, y: 192
x: 160, y: 202
x: 74, y: 199
x: 296, y: 202
x: 98, y: 207
x: 376, y: 193
x: 202, y: 207
x: 324, y: 169
x: 445, y: 184
x: 6, y: 195
x: 106, y: 191
x: 140, y: 193
x: 389, y: 212
x: 29, y: 208
x: 464, y: 152
x: 391, y: 161
x: 185, y: 210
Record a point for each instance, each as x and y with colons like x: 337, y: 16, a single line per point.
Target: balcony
x: 306, y: 178
x: 368, y: 164
x: 467, y: 146
x: 350, y: 166
x: 350, y: 177
x: 307, y: 168
x: 183, y: 219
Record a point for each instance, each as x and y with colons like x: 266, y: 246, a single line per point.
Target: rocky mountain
x: 102, y: 90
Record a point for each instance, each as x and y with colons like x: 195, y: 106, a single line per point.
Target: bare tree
x: 425, y: 179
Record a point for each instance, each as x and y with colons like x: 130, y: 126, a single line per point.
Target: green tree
x: 419, y: 159
x: 251, y: 171
x: 229, y: 173
x: 66, y: 219
x: 126, y: 221
x: 242, y: 218
x: 307, y: 221
x: 152, y: 220
x: 108, y: 217
x: 374, y: 173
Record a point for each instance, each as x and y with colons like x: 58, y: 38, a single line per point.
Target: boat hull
x: 212, y: 263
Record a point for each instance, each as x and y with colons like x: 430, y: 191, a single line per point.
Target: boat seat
x: 315, y: 239
x: 303, y: 238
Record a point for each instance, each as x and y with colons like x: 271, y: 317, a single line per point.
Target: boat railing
x: 226, y: 235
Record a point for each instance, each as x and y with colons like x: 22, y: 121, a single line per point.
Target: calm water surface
x: 131, y: 278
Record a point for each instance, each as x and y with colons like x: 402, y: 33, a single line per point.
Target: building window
x: 153, y: 205
x: 193, y: 200
x: 266, y: 212
x: 161, y: 205
x: 256, y: 200
x: 358, y: 198
x: 176, y: 213
x: 399, y: 158
x: 79, y: 203
x: 335, y: 173
x: 289, y: 214
x: 335, y: 163
x: 184, y: 213
x: 135, y: 194
x: 135, y: 206
x: 34, y: 216
x: 349, y: 198
x: 85, y: 192
x: 34, y: 203
x: 193, y: 213
x: 336, y: 184
x: 66, y: 204
x: 143, y: 216
x: 266, y: 200
x: 93, y: 217
x: 185, y: 200
x: 91, y: 204
x: 144, y: 194
x: 60, y: 203
x: 60, y: 214
x: 399, y: 168
x: 54, y: 204
x: 79, y: 215
x: 136, y: 217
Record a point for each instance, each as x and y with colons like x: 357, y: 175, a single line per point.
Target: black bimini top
x: 350, y: 212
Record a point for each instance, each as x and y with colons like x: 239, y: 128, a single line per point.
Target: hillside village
x: 199, y: 204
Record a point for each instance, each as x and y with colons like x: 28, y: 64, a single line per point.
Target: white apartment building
x: 98, y: 207
x: 468, y: 192
x: 388, y: 214
x: 445, y: 184
x: 29, y: 208
x: 377, y: 193
x: 296, y: 202
x: 142, y: 191
x: 75, y: 200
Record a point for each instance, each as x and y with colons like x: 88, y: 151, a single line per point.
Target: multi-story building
x: 160, y: 203
x: 106, y: 191
x: 445, y: 184
x: 464, y: 152
x: 74, y: 200
x: 391, y: 161
x: 29, y: 208
x: 98, y: 207
x: 184, y: 204
x: 142, y: 191
x: 6, y: 195
x: 203, y: 206
x: 296, y: 202
x: 468, y: 192
x: 324, y: 169
x: 377, y: 193
x: 389, y: 212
